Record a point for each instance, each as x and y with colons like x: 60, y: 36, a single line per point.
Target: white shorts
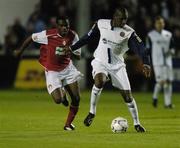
x: 60, y: 79
x: 163, y: 73
x: 117, y: 72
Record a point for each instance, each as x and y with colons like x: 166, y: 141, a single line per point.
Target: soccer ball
x: 119, y: 125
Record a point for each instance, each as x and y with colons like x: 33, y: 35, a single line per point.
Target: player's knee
x: 127, y: 96
x: 100, y: 84
x: 128, y: 99
x: 161, y: 82
x: 169, y: 82
x: 57, y: 101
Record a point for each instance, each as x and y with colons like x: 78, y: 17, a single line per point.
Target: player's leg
x: 121, y: 81
x: 99, y: 81
x: 168, y: 94
x: 55, y: 88
x: 156, y: 91
x: 73, y: 90
x: 168, y: 88
x: 132, y: 106
x: 59, y: 96
x: 158, y: 71
x: 100, y: 77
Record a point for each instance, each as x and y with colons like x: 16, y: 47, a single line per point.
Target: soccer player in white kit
x: 161, y: 46
x: 114, y: 39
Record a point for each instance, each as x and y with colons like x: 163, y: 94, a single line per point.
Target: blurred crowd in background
x: 141, y: 14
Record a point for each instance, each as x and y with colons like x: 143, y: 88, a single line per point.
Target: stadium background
x: 28, y: 116
x: 21, y: 18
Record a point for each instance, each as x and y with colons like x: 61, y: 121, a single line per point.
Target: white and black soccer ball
x: 119, y: 125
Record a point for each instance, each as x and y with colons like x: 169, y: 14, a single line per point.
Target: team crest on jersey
x: 122, y: 34
x: 49, y: 86
x: 64, y: 43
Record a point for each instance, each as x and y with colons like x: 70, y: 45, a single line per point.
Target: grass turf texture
x: 30, y: 119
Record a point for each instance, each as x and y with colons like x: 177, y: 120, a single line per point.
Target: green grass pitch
x: 30, y: 119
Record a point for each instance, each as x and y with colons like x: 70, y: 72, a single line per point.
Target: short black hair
x: 62, y: 18
x: 158, y: 18
x: 122, y: 10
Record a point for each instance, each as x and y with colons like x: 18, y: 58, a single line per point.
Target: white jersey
x: 113, y: 43
x: 160, y: 44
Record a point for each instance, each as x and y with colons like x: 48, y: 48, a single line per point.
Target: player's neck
x: 113, y: 25
x: 159, y: 30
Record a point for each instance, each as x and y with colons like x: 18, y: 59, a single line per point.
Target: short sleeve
x: 40, y: 37
x: 76, y: 38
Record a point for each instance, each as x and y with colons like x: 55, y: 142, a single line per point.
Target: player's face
x: 63, y: 27
x: 120, y: 19
x: 159, y: 24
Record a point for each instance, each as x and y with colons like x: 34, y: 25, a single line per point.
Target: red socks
x: 72, y: 113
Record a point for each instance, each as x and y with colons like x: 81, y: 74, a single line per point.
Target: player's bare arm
x: 136, y: 44
x: 25, y: 44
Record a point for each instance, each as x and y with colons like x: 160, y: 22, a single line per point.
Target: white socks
x: 167, y: 94
x: 167, y: 87
x: 95, y: 93
x: 134, y: 111
x: 157, y: 89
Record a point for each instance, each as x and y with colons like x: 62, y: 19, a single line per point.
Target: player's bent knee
x: 100, y: 84
x: 128, y: 99
x: 57, y: 101
x: 127, y: 96
x: 169, y: 82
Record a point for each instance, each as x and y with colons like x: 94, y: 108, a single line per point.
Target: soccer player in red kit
x: 60, y: 72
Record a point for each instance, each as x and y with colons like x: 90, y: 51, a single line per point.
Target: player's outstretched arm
x: 93, y: 33
x: 25, y: 44
x: 136, y: 44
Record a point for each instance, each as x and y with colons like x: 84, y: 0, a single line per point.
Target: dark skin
x: 73, y: 89
x: 119, y: 20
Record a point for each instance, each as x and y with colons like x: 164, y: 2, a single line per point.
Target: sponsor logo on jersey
x: 161, y: 42
x: 64, y: 43
x: 104, y: 28
x: 105, y: 41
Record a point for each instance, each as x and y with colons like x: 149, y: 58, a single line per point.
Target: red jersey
x: 49, y: 40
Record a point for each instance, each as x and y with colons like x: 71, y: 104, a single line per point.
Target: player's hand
x: 170, y: 53
x: 67, y: 50
x: 17, y: 53
x: 146, y: 70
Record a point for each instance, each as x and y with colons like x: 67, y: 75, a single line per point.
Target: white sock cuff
x: 131, y: 104
x: 97, y: 89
